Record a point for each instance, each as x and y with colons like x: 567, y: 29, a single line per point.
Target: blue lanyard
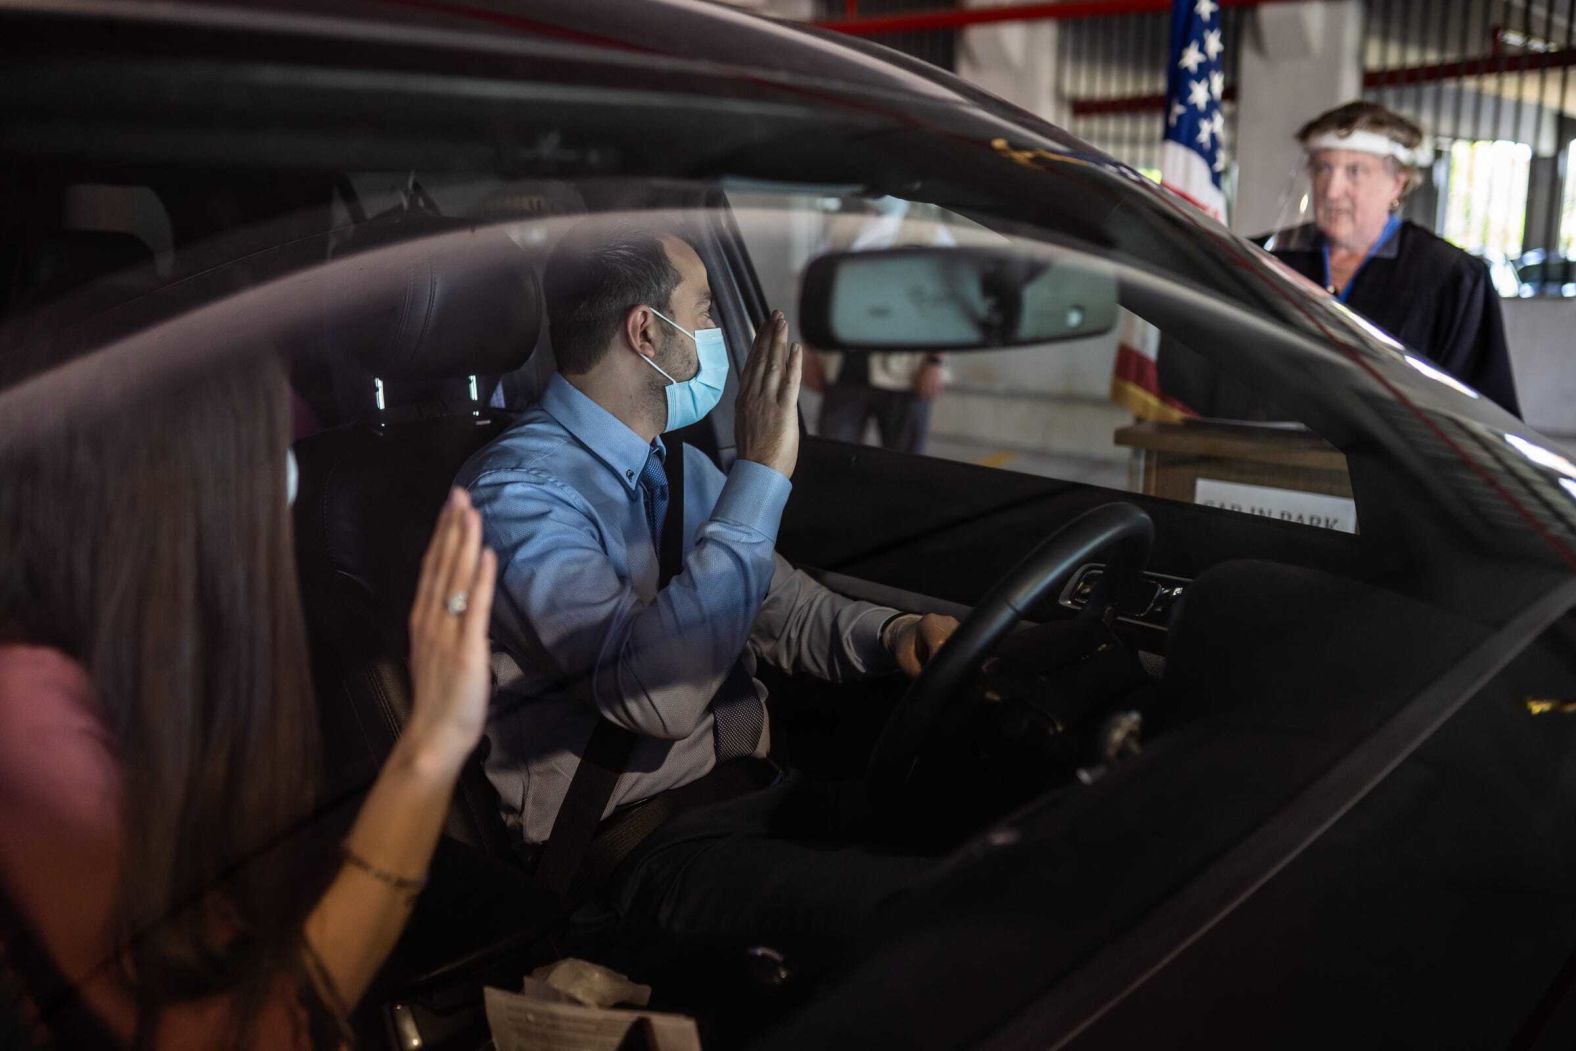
x: 1390, y: 227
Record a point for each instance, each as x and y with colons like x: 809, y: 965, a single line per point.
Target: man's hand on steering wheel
x: 1119, y: 535
x: 914, y: 639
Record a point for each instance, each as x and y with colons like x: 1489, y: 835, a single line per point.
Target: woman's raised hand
x: 449, y: 657
x: 389, y: 849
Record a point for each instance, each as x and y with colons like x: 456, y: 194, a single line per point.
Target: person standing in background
x: 1363, y: 160
x: 895, y: 389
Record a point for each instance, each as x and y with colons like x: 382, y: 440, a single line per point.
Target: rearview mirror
x: 948, y: 298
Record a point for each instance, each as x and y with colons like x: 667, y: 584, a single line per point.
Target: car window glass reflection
x: 1087, y: 410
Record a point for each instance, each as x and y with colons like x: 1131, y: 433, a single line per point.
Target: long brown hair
x: 152, y: 543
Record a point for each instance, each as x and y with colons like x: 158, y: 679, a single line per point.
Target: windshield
x: 534, y: 123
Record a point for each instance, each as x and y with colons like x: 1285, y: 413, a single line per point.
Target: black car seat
x: 453, y: 309
x: 464, y: 308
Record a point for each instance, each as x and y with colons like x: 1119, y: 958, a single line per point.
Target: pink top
x: 60, y: 844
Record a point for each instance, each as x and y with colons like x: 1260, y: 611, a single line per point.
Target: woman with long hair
x: 158, y: 736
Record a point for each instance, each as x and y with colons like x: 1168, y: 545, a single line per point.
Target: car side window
x: 1132, y: 408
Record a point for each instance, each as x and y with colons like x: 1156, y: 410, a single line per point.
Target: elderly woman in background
x: 1363, y: 160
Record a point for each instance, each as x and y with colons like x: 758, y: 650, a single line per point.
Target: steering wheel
x: 937, y: 698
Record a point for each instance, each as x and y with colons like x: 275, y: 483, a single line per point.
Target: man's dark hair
x: 596, y: 272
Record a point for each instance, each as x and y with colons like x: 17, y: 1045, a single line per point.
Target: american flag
x: 1192, y: 156
x: 1191, y: 161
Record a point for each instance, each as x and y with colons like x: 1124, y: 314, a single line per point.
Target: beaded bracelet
x: 409, y: 885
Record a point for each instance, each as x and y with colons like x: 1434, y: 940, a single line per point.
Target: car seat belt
x: 670, y: 557
x: 607, y: 753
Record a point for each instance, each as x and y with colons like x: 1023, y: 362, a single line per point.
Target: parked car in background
x: 1541, y: 273
x: 1507, y: 281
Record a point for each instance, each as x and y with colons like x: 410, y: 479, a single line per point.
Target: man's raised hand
x: 766, y: 418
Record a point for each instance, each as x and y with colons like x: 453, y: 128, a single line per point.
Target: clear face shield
x: 1344, y: 193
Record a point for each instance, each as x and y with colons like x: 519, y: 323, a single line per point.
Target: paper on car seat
x: 545, y: 1018
x: 587, y: 984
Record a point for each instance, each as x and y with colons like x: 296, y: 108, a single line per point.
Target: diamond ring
x: 458, y: 603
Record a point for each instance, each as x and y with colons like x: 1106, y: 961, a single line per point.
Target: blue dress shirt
x: 579, y: 613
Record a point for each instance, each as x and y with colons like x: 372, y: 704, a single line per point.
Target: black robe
x: 1436, y: 300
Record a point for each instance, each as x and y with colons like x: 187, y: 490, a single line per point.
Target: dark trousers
x: 901, y: 417
x: 776, y: 867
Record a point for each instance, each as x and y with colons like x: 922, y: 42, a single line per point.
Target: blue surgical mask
x: 690, y: 400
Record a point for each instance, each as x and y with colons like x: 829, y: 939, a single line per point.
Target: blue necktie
x: 654, y: 490
x: 737, y: 715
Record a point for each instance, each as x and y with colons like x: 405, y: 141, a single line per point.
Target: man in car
x: 701, y: 834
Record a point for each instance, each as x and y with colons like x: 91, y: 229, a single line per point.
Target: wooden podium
x: 1174, y: 456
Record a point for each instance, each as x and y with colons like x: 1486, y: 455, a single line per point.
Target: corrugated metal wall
x: 1112, y: 71
x: 1490, y: 81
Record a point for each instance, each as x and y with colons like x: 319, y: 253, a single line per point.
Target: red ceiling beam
x: 915, y: 21
x: 1482, y: 65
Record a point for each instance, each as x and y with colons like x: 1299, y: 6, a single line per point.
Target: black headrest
x: 454, y: 300
x: 366, y: 506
